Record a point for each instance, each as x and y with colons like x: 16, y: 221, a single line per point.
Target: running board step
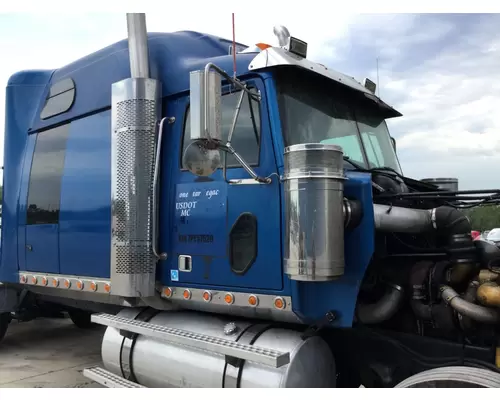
x: 108, y: 379
x: 225, y: 347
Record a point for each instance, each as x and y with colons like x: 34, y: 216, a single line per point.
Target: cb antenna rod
x: 234, y: 49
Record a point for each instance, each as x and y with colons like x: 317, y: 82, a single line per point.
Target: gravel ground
x: 48, y: 353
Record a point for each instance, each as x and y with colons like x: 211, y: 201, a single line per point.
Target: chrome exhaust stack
x: 135, y: 113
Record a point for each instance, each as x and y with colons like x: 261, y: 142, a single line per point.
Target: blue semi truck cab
x: 237, y: 211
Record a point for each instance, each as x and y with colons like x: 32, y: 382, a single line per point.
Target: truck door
x: 43, y: 200
x: 228, y: 234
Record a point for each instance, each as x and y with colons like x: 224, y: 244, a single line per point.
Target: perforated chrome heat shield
x: 136, y: 108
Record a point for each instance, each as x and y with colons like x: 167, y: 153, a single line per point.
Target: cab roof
x: 172, y: 57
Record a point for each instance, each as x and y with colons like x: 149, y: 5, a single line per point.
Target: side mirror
x: 393, y: 143
x: 206, y: 95
x: 202, y: 156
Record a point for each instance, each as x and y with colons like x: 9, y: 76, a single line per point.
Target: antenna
x: 378, y: 83
x: 234, y: 49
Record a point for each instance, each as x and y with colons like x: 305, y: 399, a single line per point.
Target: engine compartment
x: 430, y: 295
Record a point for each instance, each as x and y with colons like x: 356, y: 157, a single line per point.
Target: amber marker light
x: 167, y: 292
x: 55, y: 282
x: 93, y: 286
x: 23, y: 278
x: 279, y: 303
x: 229, y: 298
x: 79, y: 285
x: 263, y: 46
x: 67, y: 283
x: 253, y: 300
x: 44, y: 281
x: 207, y: 296
x: 186, y: 294
x: 34, y: 280
x: 107, y: 287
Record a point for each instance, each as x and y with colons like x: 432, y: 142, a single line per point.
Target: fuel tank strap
x: 128, y: 344
x: 234, y: 366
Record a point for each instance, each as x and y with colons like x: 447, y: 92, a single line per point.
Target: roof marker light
x: 263, y: 46
x: 370, y: 85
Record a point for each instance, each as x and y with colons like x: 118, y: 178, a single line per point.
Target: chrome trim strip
x: 108, y: 379
x: 86, y: 284
x: 240, y: 299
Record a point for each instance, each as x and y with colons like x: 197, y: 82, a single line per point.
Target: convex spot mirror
x: 200, y: 159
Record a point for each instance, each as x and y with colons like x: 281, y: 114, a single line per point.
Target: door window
x: 246, y: 136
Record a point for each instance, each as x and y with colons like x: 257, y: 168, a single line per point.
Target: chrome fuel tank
x: 155, y: 363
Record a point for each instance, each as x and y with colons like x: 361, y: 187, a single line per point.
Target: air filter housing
x: 314, y: 192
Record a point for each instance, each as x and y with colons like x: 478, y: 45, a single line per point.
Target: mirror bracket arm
x: 229, y: 149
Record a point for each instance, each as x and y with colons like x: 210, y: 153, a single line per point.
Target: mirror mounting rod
x: 234, y: 81
x: 229, y: 149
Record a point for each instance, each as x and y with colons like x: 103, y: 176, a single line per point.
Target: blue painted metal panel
x: 23, y: 96
x: 211, y: 266
x: 23, y: 199
x: 44, y: 243
x: 312, y: 300
x: 85, y: 215
x: 200, y: 221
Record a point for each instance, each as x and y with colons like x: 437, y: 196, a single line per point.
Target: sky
x: 441, y: 71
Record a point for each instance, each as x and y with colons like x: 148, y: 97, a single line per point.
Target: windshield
x: 314, y: 113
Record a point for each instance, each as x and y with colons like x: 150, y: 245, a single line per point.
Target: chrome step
x: 225, y: 347
x: 108, y: 379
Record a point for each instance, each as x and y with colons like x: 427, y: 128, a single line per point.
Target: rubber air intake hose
x: 445, y: 220
x: 383, y: 309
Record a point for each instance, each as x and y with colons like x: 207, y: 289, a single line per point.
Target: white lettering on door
x: 185, y: 205
x: 213, y: 192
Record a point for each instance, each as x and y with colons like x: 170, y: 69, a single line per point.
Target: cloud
x: 441, y: 72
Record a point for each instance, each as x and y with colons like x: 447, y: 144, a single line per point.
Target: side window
x: 60, y: 98
x: 44, y: 191
x: 246, y: 136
